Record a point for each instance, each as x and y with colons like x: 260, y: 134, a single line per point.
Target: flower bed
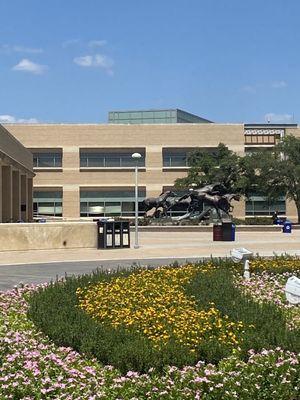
x: 32, y: 366
x: 155, y: 304
x: 269, y: 288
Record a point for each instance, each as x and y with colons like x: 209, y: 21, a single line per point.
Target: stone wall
x: 43, y: 236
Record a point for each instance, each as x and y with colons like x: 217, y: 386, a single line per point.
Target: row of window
x: 101, y: 159
x: 262, y: 139
x: 114, y: 202
x: 262, y: 207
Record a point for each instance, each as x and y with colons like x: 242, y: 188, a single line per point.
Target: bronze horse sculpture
x: 158, y: 202
x: 210, y: 198
x: 213, y: 196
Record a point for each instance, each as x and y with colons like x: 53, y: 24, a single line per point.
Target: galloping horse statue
x: 213, y: 196
x: 158, y: 202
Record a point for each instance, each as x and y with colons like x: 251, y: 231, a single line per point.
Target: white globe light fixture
x: 136, y: 157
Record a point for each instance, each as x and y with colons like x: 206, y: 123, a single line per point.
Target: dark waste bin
x: 228, y: 231
x: 113, y: 234
x: 224, y: 232
x: 217, y: 233
x: 287, y: 227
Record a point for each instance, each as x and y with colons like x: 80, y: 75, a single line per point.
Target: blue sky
x: 75, y: 60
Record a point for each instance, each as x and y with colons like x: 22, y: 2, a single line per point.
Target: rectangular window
x: 109, y: 202
x: 47, y: 159
x: 258, y: 205
x: 175, y: 157
x: 178, y: 156
x: 257, y: 139
x: 110, y: 158
x: 47, y: 203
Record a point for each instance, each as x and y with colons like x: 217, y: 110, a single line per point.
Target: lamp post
x: 136, y: 157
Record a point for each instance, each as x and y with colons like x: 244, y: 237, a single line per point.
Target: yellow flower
x: 155, y: 304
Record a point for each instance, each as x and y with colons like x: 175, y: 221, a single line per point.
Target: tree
x: 278, y: 172
x: 268, y: 173
x: 219, y: 166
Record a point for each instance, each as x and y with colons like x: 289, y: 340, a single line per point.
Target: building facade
x: 85, y: 170
x: 16, y: 179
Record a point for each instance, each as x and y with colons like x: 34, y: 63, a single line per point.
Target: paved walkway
x: 166, y: 244
x: 156, y: 248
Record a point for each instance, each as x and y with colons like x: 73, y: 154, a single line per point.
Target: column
x: 6, y: 193
x: 24, y: 198
x: 71, y: 202
x: 29, y: 199
x: 16, y: 196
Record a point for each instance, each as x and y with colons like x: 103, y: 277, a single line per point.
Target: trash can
x: 232, y: 232
x: 287, y: 227
x: 125, y: 234
x: 113, y: 234
x: 228, y: 231
x: 217, y: 233
x: 224, y: 232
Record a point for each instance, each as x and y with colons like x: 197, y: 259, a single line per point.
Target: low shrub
x: 80, y: 313
x: 268, y: 321
x: 253, y: 221
x: 259, y: 221
x: 32, y: 367
x: 276, y: 265
x: 55, y: 311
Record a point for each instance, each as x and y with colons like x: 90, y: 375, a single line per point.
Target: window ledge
x: 175, y: 168
x: 259, y: 144
x: 82, y: 169
x: 51, y: 169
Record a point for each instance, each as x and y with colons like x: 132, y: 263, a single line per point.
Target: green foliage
x: 268, y: 173
x: 253, y: 221
x: 220, y: 165
x: 269, y: 322
x: 278, y: 172
x: 55, y: 311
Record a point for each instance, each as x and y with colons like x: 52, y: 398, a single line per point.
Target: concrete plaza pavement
x: 156, y: 248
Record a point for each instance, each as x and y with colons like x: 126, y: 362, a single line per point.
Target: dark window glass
x: 262, y: 207
x: 175, y: 160
x: 112, y: 202
x: 47, y: 160
x: 48, y: 203
x: 107, y: 160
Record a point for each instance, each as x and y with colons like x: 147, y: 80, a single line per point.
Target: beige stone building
x: 16, y: 175
x: 86, y: 170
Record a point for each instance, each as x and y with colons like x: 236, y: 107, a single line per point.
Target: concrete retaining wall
x: 54, y: 235
x: 73, y: 235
